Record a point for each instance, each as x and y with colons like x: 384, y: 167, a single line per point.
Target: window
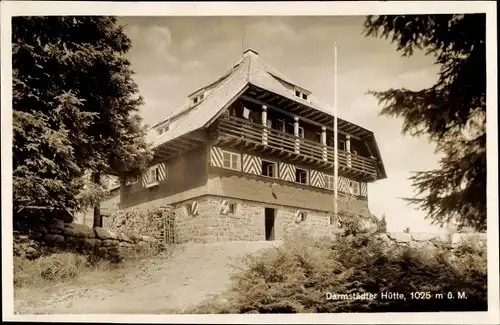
x: 160, y: 131
x: 330, y: 182
x: 281, y: 125
x: 341, y: 145
x: 154, y: 175
x: 246, y: 113
x: 303, y: 216
x: 232, y: 208
x: 301, y: 176
x: 301, y: 94
x: 198, y: 98
x: 268, y: 168
x: 318, y: 137
x: 231, y: 160
x: 291, y: 130
x: 354, y: 188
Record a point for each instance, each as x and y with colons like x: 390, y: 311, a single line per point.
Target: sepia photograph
x: 209, y: 160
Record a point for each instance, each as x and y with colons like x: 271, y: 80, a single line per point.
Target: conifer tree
x: 450, y: 113
x: 75, y: 108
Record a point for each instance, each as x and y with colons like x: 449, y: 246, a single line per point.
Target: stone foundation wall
x: 246, y: 223
x: 73, y: 237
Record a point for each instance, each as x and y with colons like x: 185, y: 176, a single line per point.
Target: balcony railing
x: 241, y: 129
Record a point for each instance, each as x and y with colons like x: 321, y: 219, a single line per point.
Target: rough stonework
x: 144, y: 222
x: 246, y: 222
x: 99, y: 242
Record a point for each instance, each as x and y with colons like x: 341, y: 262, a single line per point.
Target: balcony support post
x: 348, y: 149
x: 264, y: 125
x: 323, y: 143
x: 296, y: 133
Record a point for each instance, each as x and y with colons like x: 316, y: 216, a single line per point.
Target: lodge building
x: 251, y: 157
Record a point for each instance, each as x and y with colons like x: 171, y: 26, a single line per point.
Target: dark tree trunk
x: 97, y: 206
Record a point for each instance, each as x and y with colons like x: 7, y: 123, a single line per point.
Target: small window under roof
x: 197, y: 98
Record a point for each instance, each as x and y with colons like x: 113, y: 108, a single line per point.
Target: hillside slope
x: 154, y: 286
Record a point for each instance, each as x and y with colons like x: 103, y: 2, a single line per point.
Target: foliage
x: 406, y: 230
x: 75, y: 109
x: 451, y: 113
x: 353, y: 223
x: 52, y: 268
x: 296, y: 277
x: 382, y: 225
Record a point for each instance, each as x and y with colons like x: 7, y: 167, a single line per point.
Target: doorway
x: 270, y: 216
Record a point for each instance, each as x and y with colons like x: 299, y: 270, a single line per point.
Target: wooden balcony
x: 252, y: 136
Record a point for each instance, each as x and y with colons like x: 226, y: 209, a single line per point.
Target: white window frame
x: 272, y: 164
x: 329, y: 179
x: 232, y: 157
x: 307, y: 176
x: 354, y: 190
x: 153, y: 176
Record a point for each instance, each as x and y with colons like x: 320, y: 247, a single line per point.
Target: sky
x: 174, y: 56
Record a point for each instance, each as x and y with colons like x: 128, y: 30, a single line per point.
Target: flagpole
x: 335, y: 134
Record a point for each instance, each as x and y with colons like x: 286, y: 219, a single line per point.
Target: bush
x: 296, y: 278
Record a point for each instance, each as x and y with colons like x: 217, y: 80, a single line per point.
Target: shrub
x: 297, y: 276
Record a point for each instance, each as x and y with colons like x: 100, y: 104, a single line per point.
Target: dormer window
x: 163, y: 129
x: 302, y: 94
x: 198, y: 98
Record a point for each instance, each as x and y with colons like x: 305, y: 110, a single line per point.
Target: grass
x: 65, y: 266
x: 54, y: 268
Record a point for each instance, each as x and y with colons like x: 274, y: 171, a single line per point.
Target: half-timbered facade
x: 251, y: 156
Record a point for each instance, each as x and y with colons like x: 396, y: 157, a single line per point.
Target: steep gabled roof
x: 250, y: 70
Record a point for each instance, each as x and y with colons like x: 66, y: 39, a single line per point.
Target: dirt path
x: 154, y: 286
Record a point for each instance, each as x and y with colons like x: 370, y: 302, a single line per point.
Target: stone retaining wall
x: 99, y: 242
x: 145, y: 222
x: 430, y: 240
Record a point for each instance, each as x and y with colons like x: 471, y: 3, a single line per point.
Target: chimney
x: 250, y: 51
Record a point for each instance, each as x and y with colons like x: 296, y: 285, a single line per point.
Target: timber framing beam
x: 259, y: 102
